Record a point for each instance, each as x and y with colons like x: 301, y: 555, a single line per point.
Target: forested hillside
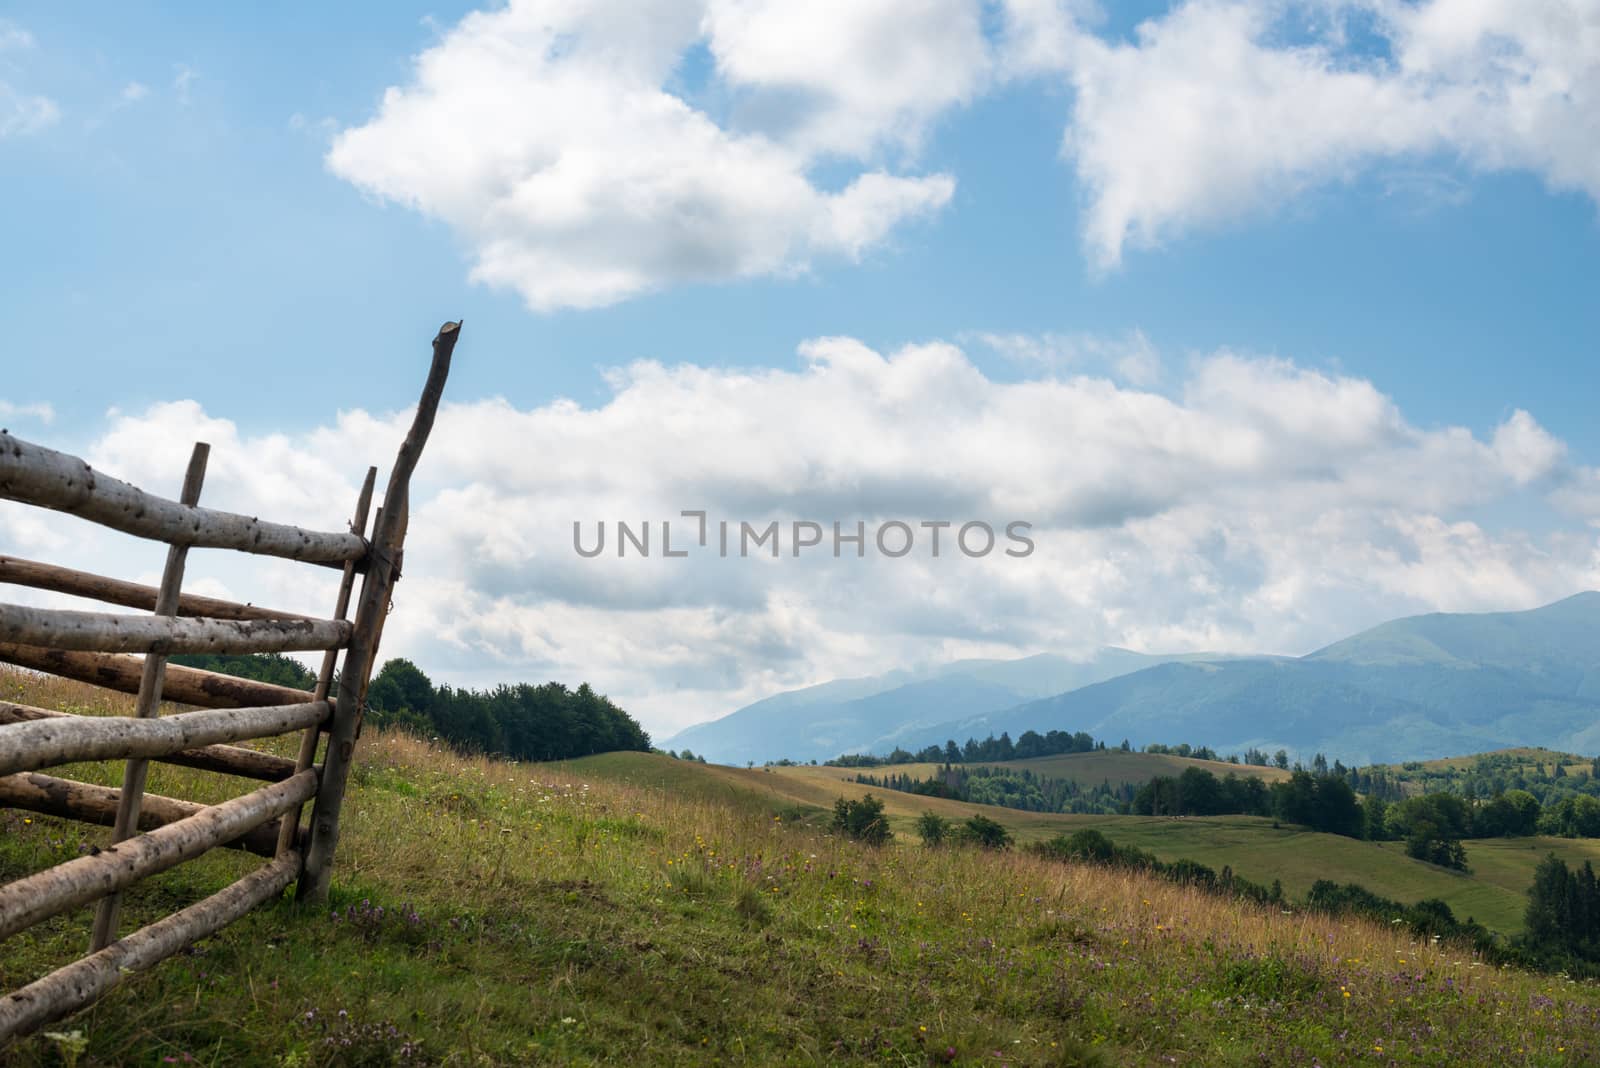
x: 520, y: 721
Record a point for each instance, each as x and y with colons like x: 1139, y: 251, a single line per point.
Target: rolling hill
x: 1494, y: 892
x: 631, y: 908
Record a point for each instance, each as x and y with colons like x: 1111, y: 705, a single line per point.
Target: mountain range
x: 1411, y: 689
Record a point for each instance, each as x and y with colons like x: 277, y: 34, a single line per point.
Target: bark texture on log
x: 33, y: 474
x: 44, y: 743
x: 80, y: 983
x: 109, y: 632
x: 226, y: 759
x: 26, y: 901
x: 19, y: 572
x: 183, y: 685
x: 50, y: 796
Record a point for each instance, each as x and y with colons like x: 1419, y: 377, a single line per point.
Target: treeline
x: 1432, y: 826
x: 522, y: 722
x: 275, y: 668
x: 1018, y: 788
x: 1030, y: 744
x: 1547, y: 775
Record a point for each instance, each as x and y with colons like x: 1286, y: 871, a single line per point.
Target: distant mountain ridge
x: 874, y: 713
x: 1412, y: 689
x: 1416, y: 688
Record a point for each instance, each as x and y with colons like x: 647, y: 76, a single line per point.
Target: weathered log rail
x: 18, y: 572
x: 227, y: 759
x: 107, y: 632
x: 33, y: 474
x: 46, y: 743
x: 151, y: 833
x: 183, y: 685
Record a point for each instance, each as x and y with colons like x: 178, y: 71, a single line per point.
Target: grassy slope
x: 1494, y: 893
x: 631, y: 909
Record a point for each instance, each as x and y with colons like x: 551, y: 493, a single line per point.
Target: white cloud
x: 44, y: 413
x: 25, y: 113
x: 1525, y: 450
x: 133, y: 92
x: 1221, y: 108
x: 856, y: 72
x: 586, y: 151
x: 1258, y: 505
x: 544, y: 134
x: 1130, y: 357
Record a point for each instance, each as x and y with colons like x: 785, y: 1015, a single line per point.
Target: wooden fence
x: 151, y: 833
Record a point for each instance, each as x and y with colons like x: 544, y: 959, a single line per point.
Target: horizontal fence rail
x: 31, y: 573
x: 33, y: 474
x: 227, y: 759
x: 32, y: 898
x: 107, y: 632
x: 82, y: 982
x: 44, y: 743
x: 87, y: 803
x: 183, y: 685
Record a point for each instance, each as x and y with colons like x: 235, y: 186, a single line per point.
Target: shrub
x: 862, y: 820
x: 985, y: 832
x: 933, y: 828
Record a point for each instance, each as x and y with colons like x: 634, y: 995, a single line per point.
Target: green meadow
x: 632, y: 908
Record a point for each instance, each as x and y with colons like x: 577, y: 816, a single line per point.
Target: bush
x: 985, y: 832
x: 933, y: 828
x: 862, y: 820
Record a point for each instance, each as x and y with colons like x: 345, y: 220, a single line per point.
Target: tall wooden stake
x: 155, y: 667
x: 308, y: 743
x: 388, y: 539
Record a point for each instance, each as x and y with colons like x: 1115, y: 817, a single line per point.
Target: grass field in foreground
x: 637, y: 910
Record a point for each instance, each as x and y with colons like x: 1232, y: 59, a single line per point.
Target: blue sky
x: 204, y: 238
x: 180, y: 226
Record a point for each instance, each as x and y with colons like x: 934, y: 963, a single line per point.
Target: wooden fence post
x: 308, y: 743
x: 383, y: 570
x: 149, y: 703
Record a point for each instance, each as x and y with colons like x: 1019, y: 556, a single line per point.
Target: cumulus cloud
x: 1254, y: 504
x: 586, y: 152
x: 546, y: 135
x: 1220, y: 108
